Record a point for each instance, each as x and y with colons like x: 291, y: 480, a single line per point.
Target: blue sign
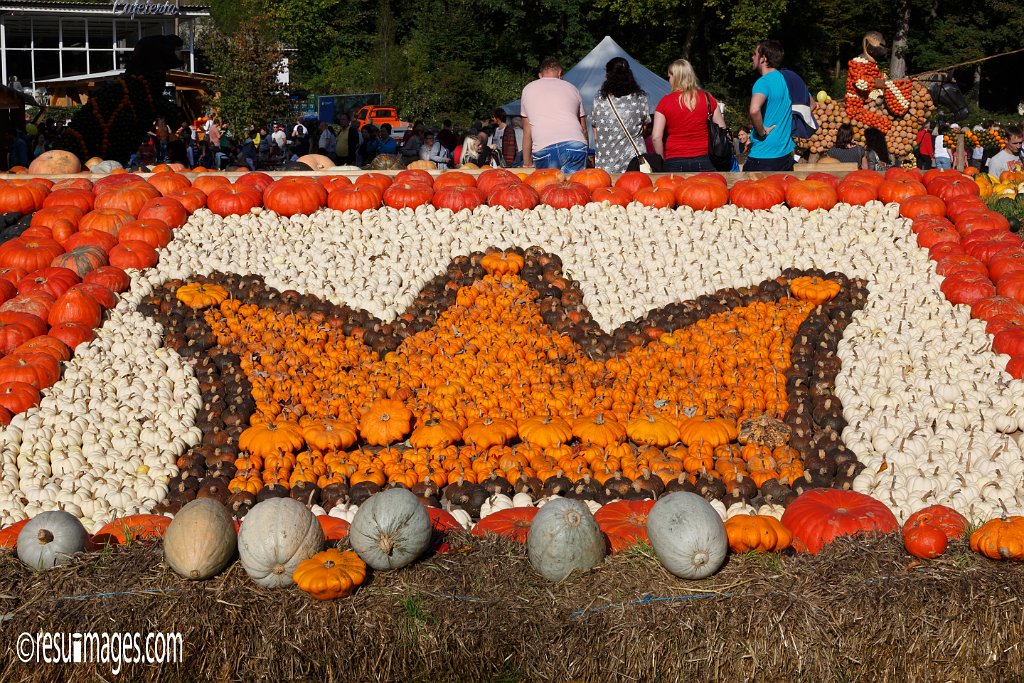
x: 325, y: 105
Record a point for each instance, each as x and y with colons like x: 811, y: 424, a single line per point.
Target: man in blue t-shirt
x: 770, y: 113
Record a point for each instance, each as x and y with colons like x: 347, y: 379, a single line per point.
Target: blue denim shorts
x: 567, y: 156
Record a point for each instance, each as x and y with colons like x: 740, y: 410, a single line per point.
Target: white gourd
x: 687, y: 535
x: 522, y: 500
x: 276, y: 535
x: 498, y: 501
x: 106, y: 166
x: 463, y: 518
x: 564, y: 537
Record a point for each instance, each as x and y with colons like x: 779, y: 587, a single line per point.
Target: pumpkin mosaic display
x: 479, y: 372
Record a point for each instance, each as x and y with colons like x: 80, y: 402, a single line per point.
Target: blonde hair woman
x: 470, y: 150
x: 680, y: 131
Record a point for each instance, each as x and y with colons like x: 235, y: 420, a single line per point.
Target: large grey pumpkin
x: 687, y: 535
x: 390, y: 530
x: 276, y: 535
x: 50, y: 538
x: 564, y: 537
x: 200, y: 540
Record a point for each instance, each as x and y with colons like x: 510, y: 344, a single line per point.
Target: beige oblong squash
x: 201, y: 540
x: 317, y: 162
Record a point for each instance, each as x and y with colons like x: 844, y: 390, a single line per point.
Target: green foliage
x: 458, y: 59
x: 749, y: 22
x: 61, y: 114
x: 248, y: 65
x: 228, y: 15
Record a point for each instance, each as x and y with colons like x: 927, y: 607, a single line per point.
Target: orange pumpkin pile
x: 491, y: 389
x: 900, y: 131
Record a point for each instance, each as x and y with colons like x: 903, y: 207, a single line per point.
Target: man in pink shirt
x: 554, y: 122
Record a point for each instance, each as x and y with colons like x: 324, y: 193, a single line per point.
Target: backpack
x: 804, y: 124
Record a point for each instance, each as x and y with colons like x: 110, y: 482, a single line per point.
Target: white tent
x: 588, y: 76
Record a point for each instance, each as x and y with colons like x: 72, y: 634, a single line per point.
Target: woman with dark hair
x: 742, y: 143
x: 878, y: 158
x: 846, y: 150
x: 618, y: 117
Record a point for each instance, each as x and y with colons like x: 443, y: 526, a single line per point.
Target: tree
x: 750, y: 21
x: 460, y: 58
x: 898, y: 62
x: 247, y: 65
x: 820, y: 49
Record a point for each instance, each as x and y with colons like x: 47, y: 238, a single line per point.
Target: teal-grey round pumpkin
x: 390, y: 530
x: 563, y: 538
x: 50, y: 538
x: 276, y: 535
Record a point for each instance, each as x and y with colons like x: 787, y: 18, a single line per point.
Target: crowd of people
x: 686, y: 133
x: 931, y: 149
x: 270, y: 146
x: 495, y: 143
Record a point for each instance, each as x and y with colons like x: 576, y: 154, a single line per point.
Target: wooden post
x: 960, y: 155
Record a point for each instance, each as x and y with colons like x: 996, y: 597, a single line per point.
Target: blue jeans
x: 567, y: 156
x: 943, y: 162
x: 689, y: 164
x: 783, y: 163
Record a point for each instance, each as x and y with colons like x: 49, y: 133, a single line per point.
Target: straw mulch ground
x: 860, y: 611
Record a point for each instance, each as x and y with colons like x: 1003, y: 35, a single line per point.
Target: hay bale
x: 860, y: 610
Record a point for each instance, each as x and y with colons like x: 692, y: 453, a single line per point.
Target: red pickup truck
x: 378, y: 115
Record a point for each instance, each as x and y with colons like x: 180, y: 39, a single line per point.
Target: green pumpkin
x: 386, y: 162
x: 1005, y: 206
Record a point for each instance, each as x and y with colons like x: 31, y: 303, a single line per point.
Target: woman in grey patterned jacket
x: 620, y: 94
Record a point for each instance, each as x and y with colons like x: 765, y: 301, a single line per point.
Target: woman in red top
x: 680, y: 122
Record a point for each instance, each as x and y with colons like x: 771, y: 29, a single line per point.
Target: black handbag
x: 719, y: 147
x: 655, y: 164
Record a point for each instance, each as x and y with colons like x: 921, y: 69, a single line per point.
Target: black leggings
x: 783, y: 163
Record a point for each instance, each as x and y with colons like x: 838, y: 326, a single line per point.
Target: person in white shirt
x: 1009, y: 158
x: 498, y: 120
x: 327, y: 140
x: 280, y: 138
x: 432, y: 150
x: 939, y: 152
